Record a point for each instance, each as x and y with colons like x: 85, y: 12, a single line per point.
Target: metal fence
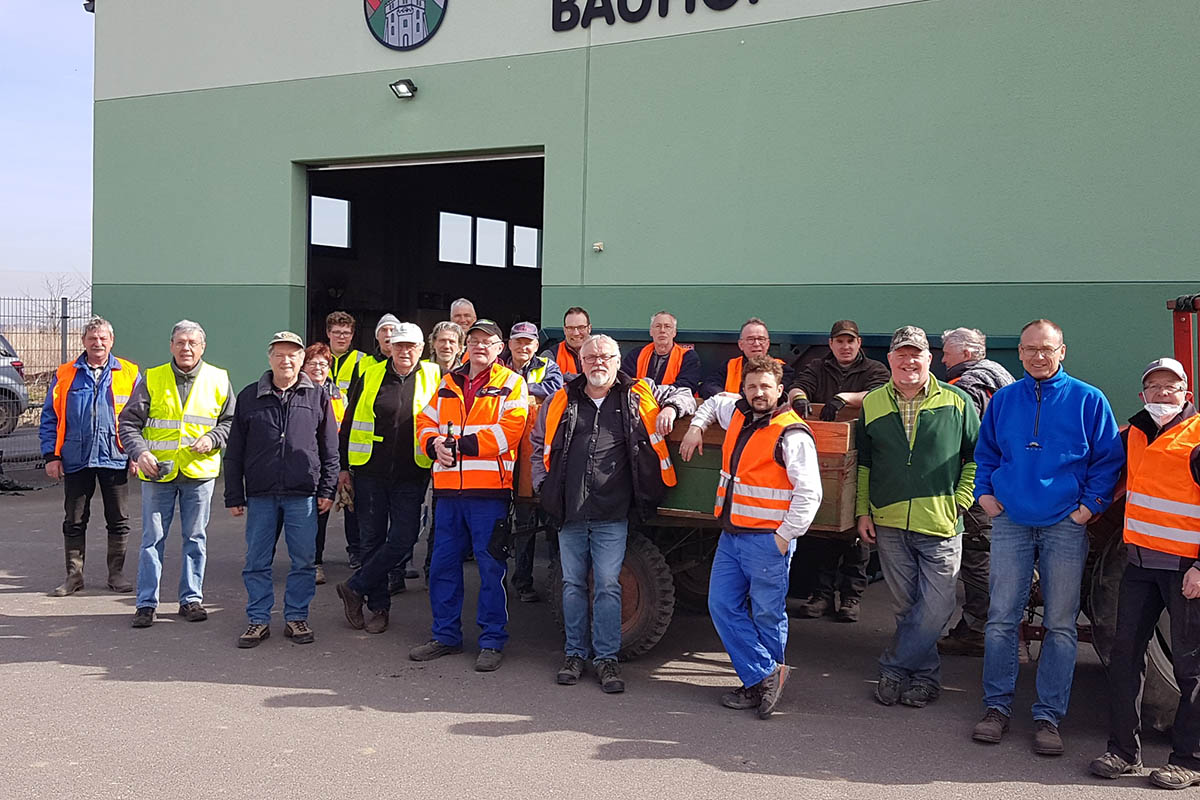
x: 38, y: 335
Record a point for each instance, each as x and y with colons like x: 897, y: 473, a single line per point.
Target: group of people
x: 979, y: 478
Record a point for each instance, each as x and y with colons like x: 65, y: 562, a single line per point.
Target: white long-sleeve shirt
x: 799, y: 458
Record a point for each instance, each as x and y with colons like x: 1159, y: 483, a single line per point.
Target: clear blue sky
x: 46, y: 136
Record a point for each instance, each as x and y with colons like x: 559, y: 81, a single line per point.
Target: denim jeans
x: 922, y: 572
x: 462, y: 525
x: 264, y: 514
x: 158, y: 509
x: 1144, y: 594
x: 603, y: 545
x: 389, y: 516
x: 747, y: 595
x: 1060, y: 551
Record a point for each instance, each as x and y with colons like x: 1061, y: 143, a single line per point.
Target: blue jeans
x: 747, y: 593
x: 389, y: 516
x: 298, y: 516
x: 1060, y: 551
x: 603, y: 544
x: 462, y: 525
x: 922, y: 572
x: 158, y: 509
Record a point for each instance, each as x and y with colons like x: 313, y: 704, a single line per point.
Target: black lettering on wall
x: 634, y: 14
x: 599, y: 8
x: 721, y: 5
x: 566, y: 15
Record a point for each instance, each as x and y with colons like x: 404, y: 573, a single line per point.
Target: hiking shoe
x: 352, y: 603
x: 354, y: 562
x: 570, y: 672
x: 433, y: 649
x: 609, y: 675
x: 919, y: 695
x: 815, y: 606
x: 848, y: 611
x: 488, y: 660
x: 298, y: 631
x: 992, y: 727
x: 771, y: 690
x: 743, y: 697
x: 396, y: 586
x: 1046, y: 741
x: 193, y: 612
x: 143, y: 617
x: 887, y: 691
x: 378, y: 623
x: 1173, y: 776
x: 320, y: 574
x: 1112, y: 766
x: 527, y: 596
x: 255, y: 635
x: 970, y: 644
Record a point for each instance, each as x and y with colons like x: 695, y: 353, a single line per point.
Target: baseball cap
x: 286, y: 336
x: 844, y: 326
x: 487, y: 326
x: 1169, y: 364
x: 909, y: 336
x: 524, y: 330
x: 407, y: 332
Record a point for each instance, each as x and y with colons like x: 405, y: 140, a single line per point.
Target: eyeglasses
x: 577, y: 328
x: 318, y: 364
x: 1033, y: 352
x: 479, y: 344
x: 1173, y: 388
x: 756, y: 339
x: 600, y: 359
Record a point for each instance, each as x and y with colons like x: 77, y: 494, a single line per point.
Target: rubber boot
x: 74, y: 582
x: 116, y: 562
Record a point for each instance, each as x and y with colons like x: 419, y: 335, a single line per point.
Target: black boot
x: 116, y: 562
x: 74, y: 557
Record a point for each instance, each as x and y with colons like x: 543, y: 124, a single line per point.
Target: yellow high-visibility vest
x: 362, y: 426
x: 172, y: 427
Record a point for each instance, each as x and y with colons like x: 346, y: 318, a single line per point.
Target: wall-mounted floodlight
x: 404, y: 89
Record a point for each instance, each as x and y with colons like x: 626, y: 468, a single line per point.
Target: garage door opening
x: 409, y: 239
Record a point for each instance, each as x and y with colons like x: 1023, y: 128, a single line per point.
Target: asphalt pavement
x: 98, y: 709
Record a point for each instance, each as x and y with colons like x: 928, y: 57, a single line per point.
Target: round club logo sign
x: 404, y: 24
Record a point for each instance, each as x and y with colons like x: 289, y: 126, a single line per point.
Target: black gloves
x: 830, y: 411
x: 801, y: 406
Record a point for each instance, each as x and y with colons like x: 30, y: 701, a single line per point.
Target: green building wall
x: 940, y: 163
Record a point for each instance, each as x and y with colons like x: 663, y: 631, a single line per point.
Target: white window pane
x: 454, y: 238
x: 491, y: 241
x: 330, y: 222
x: 525, y: 247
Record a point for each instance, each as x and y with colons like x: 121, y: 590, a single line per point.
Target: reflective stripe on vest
x: 1162, y: 506
x: 733, y: 374
x: 647, y: 411
x: 497, y: 419
x: 674, y: 363
x: 757, y: 487
x: 362, y: 426
x: 120, y: 387
x: 566, y: 360
x: 171, y: 429
x: 345, y: 371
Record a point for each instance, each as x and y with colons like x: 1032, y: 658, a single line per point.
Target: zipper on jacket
x: 1037, y: 415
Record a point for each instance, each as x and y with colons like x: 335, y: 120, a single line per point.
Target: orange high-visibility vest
x: 488, y: 436
x: 733, y: 374
x: 757, y: 485
x: 567, y: 361
x: 674, y: 363
x: 647, y: 410
x: 120, y: 387
x: 1162, y: 501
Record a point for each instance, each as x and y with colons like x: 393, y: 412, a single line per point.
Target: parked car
x: 14, y: 397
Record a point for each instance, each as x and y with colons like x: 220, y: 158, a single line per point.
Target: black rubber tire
x: 691, y: 587
x: 647, y: 596
x: 8, y: 413
x: 1160, y: 697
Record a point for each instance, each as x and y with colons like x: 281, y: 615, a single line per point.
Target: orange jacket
x: 1162, y: 501
x: 733, y: 374
x: 120, y: 388
x: 754, y: 481
x: 487, y: 437
x: 567, y: 361
x: 674, y: 362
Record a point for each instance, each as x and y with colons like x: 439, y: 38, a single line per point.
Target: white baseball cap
x: 1168, y: 364
x: 407, y: 332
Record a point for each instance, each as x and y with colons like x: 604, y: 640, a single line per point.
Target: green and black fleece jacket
x: 921, y: 487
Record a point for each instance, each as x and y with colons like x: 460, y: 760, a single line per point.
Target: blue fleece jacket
x: 1045, y: 447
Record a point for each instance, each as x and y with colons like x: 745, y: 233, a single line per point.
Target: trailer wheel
x: 1160, y: 697
x: 647, y: 596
